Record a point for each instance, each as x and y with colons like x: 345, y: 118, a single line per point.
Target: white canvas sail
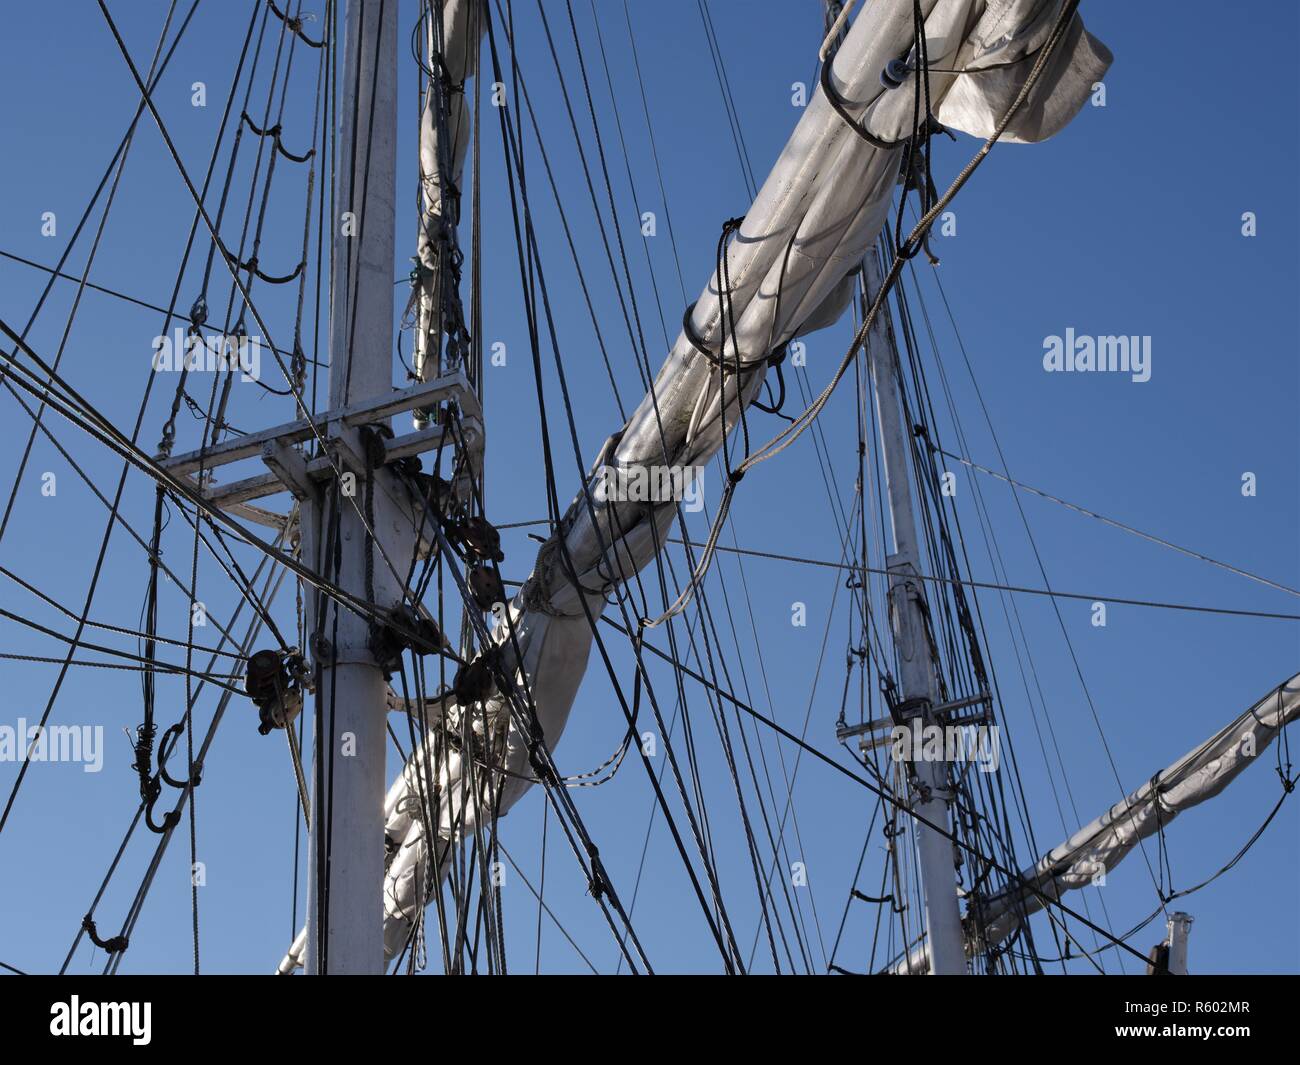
x: 1098, y: 847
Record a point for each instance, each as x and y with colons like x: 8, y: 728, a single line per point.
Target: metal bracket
x: 289, y: 470
x: 878, y: 731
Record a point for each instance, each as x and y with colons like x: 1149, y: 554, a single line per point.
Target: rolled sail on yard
x: 816, y: 216
x: 1098, y: 847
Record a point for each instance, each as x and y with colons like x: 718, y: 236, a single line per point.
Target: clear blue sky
x: 1127, y: 223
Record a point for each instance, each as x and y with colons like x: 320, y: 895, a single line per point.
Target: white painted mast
x: 1180, y: 924
x: 928, y: 780
x: 929, y: 793
x: 346, y: 852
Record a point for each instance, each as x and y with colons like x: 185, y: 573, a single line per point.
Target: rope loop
x: 116, y: 945
x: 841, y: 108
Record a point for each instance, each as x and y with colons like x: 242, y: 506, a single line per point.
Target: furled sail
x: 789, y: 271
x: 1098, y: 847
x: 444, y: 141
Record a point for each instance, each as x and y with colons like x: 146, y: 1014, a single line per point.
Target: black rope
x: 115, y: 945
x: 274, y: 133
x: 295, y: 26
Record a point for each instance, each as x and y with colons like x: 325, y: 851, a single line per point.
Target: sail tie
x: 859, y: 127
x: 701, y: 347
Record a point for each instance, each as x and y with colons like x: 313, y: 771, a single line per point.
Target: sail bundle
x: 1095, y: 850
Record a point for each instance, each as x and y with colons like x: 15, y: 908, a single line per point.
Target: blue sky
x: 1129, y: 222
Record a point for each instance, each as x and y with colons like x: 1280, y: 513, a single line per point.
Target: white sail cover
x: 1098, y: 847
x: 825, y: 200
